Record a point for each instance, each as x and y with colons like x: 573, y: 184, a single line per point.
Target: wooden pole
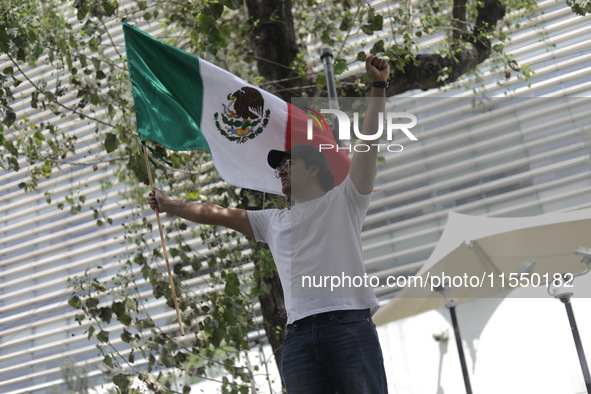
x: 176, y: 304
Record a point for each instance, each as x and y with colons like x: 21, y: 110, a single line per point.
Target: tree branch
x: 430, y: 71
x: 56, y: 102
x: 459, y: 18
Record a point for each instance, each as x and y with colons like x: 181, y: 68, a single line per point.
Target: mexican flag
x: 185, y: 103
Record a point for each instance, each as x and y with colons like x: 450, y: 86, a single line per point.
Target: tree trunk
x: 273, y: 39
x: 272, y: 303
x: 274, y: 316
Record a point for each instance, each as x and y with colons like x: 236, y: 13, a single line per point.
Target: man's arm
x: 234, y: 218
x: 363, y: 164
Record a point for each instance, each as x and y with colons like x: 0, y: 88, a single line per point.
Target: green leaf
x: 39, y: 136
x: 93, y: 43
x: 215, y: 10
x: 206, y: 23
x: 110, y: 7
x: 82, y: 11
x: 361, y: 56
x: 4, y: 41
x: 9, y: 119
x: 118, y: 308
x: 345, y: 24
x: 91, y: 302
x: 103, y: 336
x: 215, y: 36
x: 232, y: 287
x: 98, y: 285
x: 75, y: 302
x: 46, y: 169
x: 378, y: 47
x: 139, y: 259
x: 20, y: 41
x: 130, y: 304
x: 11, y: 148
x: 194, y: 195
x: 146, y: 271
x: 340, y: 66
x: 50, y: 96
x: 367, y: 29
x: 137, y: 164
x: 121, y: 313
x: 321, y: 80
x: 105, y: 314
x: 108, y: 361
x: 110, y: 142
x: 124, y: 319
x: 146, y: 323
x: 218, y: 335
x: 123, y: 381
x: 377, y: 23
x: 126, y: 336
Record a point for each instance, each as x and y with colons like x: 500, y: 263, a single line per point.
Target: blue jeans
x: 333, y: 352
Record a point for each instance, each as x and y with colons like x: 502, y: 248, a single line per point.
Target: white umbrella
x: 486, y: 251
x: 481, y: 256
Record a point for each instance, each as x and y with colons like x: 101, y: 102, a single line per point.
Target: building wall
x: 524, y: 155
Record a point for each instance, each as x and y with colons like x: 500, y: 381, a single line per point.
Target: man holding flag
x: 183, y: 103
x: 331, y: 344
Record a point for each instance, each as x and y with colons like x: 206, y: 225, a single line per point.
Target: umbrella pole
x: 578, y: 344
x: 451, y: 305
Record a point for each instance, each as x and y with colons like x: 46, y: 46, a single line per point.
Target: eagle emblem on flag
x: 244, y: 116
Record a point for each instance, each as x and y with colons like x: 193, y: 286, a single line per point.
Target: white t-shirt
x: 316, y: 246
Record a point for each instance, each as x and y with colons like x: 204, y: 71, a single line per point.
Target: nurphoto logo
x: 395, y: 122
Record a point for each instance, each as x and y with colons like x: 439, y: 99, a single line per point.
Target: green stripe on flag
x: 167, y: 92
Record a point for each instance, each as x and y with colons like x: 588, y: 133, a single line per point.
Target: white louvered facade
x: 527, y: 153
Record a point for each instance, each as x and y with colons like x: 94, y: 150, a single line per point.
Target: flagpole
x: 174, y: 299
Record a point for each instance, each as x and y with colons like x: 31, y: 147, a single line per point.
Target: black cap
x: 311, y: 155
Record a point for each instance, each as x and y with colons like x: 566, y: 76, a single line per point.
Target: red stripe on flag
x: 296, y: 134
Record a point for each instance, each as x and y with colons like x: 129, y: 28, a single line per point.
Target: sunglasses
x: 282, y: 167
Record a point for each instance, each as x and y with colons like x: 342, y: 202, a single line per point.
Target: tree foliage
x: 429, y: 44
x: 581, y: 8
